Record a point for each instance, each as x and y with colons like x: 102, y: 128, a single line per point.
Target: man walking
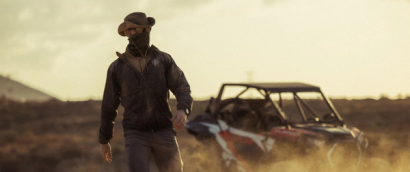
x: 140, y: 79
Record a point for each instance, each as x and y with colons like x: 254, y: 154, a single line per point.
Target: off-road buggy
x: 268, y: 123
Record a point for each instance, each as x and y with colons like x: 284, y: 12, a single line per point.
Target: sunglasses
x: 140, y: 29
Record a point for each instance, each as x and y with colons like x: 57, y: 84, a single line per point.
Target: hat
x: 134, y: 20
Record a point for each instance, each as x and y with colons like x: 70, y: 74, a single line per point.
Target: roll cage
x: 266, y: 89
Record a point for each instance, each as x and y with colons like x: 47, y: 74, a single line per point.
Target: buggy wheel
x: 209, y: 157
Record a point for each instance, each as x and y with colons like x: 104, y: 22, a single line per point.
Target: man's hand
x: 106, y: 152
x: 179, y: 119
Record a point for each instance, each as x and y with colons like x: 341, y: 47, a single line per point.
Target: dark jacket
x: 144, y: 95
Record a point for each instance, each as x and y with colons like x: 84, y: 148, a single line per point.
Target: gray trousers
x: 139, y: 146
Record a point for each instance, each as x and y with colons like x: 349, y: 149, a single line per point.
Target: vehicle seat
x: 269, y: 119
x: 243, y: 117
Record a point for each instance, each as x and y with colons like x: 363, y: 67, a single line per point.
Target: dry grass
x: 62, y: 136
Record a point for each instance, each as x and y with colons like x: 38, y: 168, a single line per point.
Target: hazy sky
x: 351, y: 48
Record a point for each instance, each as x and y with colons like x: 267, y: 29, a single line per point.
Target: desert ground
x: 62, y: 136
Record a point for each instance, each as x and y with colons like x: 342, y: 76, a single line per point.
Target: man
x: 140, y: 79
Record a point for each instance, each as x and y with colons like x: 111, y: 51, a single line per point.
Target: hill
x: 13, y: 90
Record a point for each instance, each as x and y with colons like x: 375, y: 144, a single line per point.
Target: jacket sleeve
x: 109, y: 106
x: 178, y: 84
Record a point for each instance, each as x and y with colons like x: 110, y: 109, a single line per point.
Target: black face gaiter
x: 138, y: 44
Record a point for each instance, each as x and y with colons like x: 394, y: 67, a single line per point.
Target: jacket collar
x: 152, y: 50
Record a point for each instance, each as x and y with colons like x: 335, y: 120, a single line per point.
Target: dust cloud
x: 379, y: 157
